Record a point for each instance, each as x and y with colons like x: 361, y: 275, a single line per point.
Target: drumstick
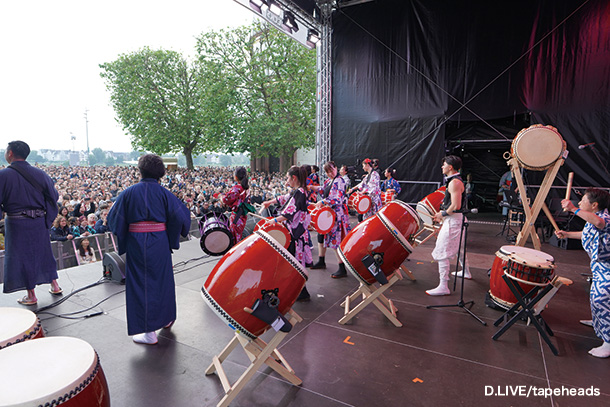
x: 549, y: 215
x: 257, y: 216
x: 248, y: 310
x: 569, y: 187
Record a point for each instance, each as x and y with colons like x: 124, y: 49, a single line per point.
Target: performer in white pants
x: 451, y: 216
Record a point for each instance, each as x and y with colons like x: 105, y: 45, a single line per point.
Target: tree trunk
x: 188, y: 154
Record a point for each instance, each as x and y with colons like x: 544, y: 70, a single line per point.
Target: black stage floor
x: 439, y: 357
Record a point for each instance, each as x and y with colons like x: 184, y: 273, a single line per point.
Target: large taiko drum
x: 322, y: 219
x: 216, y: 236
x: 275, y: 230
x: 538, y: 147
x: 255, y: 264
x: 52, y: 371
x: 386, y: 197
x: 528, y: 267
x: 360, y: 203
x: 431, y: 204
x: 18, y: 325
x: 387, y: 233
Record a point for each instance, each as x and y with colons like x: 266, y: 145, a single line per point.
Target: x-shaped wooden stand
x: 259, y: 353
x: 373, y: 295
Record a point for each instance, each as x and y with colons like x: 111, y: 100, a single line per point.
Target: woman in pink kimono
x: 370, y: 186
x: 235, y: 199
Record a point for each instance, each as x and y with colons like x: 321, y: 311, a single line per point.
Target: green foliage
x: 170, y: 105
x: 275, y: 78
x: 34, y: 157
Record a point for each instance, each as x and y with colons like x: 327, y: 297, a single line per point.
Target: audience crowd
x: 87, y: 193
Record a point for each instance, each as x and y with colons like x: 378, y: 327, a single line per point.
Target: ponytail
x: 242, y: 176
x: 300, y: 173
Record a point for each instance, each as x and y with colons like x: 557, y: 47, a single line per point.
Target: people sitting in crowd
x: 60, y: 230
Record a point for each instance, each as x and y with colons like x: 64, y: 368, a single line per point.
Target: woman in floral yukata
x: 370, y: 186
x: 235, y: 200
x: 333, y: 192
x: 294, y: 216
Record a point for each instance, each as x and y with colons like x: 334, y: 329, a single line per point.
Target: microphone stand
x: 461, y: 304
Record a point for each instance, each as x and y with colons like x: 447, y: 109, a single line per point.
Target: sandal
x: 58, y: 292
x: 26, y: 301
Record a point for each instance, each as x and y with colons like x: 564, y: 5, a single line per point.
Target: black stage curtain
x: 410, y: 77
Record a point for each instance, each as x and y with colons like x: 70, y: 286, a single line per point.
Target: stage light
x: 290, y: 22
x: 275, y: 8
x: 313, y: 37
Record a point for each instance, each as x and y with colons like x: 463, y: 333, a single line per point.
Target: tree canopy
x: 275, y: 78
x: 168, y: 104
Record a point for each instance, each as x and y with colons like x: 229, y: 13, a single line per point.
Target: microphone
x: 580, y: 147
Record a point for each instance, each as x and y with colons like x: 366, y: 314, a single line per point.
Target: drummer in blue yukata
x: 148, y: 221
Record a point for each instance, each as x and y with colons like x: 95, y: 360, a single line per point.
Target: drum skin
x: 68, y: 373
x: 322, y: 219
x: 254, y: 264
x: 275, y: 230
x: 216, y: 236
x: 360, y: 203
x: 373, y: 235
x: 18, y: 325
x: 499, y: 291
x: 538, y: 147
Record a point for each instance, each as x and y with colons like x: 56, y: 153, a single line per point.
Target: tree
x: 168, y: 104
x: 276, y: 81
x: 34, y: 157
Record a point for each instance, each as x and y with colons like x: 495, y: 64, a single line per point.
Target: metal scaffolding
x: 324, y: 94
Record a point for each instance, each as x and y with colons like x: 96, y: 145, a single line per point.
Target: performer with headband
x: 335, y: 197
x: 390, y: 184
x: 294, y: 216
x: 593, y: 208
x: 452, y: 217
x: 236, y: 199
x: 369, y: 185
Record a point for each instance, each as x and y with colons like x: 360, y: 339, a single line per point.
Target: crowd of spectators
x: 87, y: 193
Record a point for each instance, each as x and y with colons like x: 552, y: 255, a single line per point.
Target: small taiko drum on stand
x: 276, y: 230
x: 322, y: 219
x: 52, y: 371
x: 538, y: 147
x: 431, y: 204
x: 384, y: 237
x: 528, y: 267
x: 360, y: 203
x: 216, y: 236
x: 386, y: 197
x: 18, y: 325
x: 256, y: 265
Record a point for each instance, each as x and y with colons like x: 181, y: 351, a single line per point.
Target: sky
x: 51, y: 51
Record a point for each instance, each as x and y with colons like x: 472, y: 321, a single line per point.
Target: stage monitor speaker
x: 114, y: 267
x: 565, y: 244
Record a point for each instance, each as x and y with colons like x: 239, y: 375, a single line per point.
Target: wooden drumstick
x: 248, y: 310
x: 257, y: 216
x: 549, y: 215
x: 569, y: 187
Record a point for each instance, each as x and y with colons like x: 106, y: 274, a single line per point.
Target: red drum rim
x: 233, y: 324
x: 15, y: 356
x: 29, y: 329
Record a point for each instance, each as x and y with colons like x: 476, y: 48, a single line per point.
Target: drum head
x: 538, y: 147
x: 62, y: 364
x: 424, y: 213
x: 527, y: 256
x: 17, y: 325
x: 326, y: 220
x: 363, y: 204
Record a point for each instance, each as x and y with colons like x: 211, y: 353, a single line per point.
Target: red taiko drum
x: 256, y: 263
x: 276, y: 230
x: 387, y: 233
x: 18, y: 325
x: 322, y: 219
x: 431, y: 204
x: 528, y: 267
x: 360, y: 203
x: 67, y: 372
x: 386, y: 197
